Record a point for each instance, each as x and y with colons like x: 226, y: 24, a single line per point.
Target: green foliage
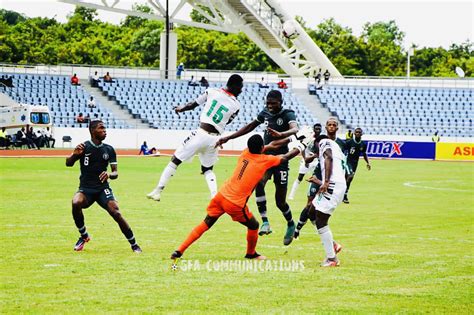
x: 84, y: 39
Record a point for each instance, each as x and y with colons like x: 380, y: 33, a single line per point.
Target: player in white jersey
x: 304, y: 166
x: 331, y: 192
x: 221, y: 107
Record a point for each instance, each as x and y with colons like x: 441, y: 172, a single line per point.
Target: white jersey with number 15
x: 220, y: 109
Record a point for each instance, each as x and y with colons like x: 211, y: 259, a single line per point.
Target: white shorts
x: 202, y: 143
x: 328, y: 201
x: 304, y: 169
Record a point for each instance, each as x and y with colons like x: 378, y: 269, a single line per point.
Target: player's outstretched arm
x: 275, y: 144
x: 186, y: 107
x: 284, y: 134
x: 76, y: 155
x: 242, y: 131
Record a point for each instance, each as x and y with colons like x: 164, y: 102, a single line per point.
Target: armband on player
x: 296, y: 145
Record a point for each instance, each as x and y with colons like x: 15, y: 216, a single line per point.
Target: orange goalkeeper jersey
x: 248, y: 172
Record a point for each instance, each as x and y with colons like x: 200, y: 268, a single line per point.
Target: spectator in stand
x: 21, y: 136
x: 4, y: 139
x: 145, y: 151
x: 192, y: 82
x: 80, y: 118
x: 48, y: 136
x: 326, y: 77
x: 436, y: 137
x: 91, y: 102
x: 179, y: 71
x: 39, y: 138
x: 263, y: 84
x: 108, y: 78
x: 282, y: 84
x: 317, y: 78
x: 204, y: 82
x: 7, y: 81
x: 75, y: 80
x: 95, y: 80
x: 31, y: 137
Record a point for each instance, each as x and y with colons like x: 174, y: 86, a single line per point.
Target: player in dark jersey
x: 355, y: 147
x: 94, y: 157
x: 280, y: 123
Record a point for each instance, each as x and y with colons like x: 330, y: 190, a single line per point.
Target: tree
x: 11, y: 17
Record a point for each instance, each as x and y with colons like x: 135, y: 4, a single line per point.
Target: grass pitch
x: 407, y: 237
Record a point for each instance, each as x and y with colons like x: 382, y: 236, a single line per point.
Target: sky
x: 425, y: 23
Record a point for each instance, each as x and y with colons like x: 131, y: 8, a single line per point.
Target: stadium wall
x: 395, y: 147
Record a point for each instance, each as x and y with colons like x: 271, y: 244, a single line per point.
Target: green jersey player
x: 94, y: 157
x: 355, y: 147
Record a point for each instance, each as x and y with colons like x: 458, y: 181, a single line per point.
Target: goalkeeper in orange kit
x: 232, y: 197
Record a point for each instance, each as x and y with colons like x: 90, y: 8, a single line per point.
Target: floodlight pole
x: 167, y: 39
x: 410, y: 52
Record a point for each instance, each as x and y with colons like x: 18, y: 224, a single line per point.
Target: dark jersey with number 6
x: 279, y: 122
x: 95, y: 160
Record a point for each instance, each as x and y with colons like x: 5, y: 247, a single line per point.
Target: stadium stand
x: 401, y: 110
x: 152, y: 102
x: 64, y: 100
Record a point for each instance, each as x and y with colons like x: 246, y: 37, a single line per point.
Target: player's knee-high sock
x: 79, y: 221
x: 327, y: 240
x: 285, y: 209
x: 211, y: 182
x: 262, y: 207
x: 303, y: 219
x: 124, y: 227
x: 348, y: 184
x: 252, y: 238
x: 193, y: 236
x: 295, y: 186
x: 168, y: 172
x: 130, y: 237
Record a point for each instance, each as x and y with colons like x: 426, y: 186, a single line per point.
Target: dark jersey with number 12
x: 94, y: 160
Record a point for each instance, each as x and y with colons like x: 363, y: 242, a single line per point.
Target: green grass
x: 406, y: 249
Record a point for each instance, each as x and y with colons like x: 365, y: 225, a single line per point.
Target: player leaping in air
x: 94, y: 157
x: 280, y: 123
x: 232, y: 197
x: 221, y: 107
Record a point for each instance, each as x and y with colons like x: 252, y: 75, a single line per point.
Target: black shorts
x: 352, y: 166
x: 279, y: 174
x: 101, y: 196
x: 313, y: 188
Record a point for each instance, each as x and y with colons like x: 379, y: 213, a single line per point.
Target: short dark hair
x: 275, y: 94
x: 93, y: 124
x: 317, y: 125
x: 234, y: 80
x: 359, y: 129
x: 255, y: 144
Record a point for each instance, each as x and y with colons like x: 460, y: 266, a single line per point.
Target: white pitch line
x: 418, y: 185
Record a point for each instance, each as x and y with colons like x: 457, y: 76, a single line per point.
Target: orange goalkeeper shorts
x: 220, y: 205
